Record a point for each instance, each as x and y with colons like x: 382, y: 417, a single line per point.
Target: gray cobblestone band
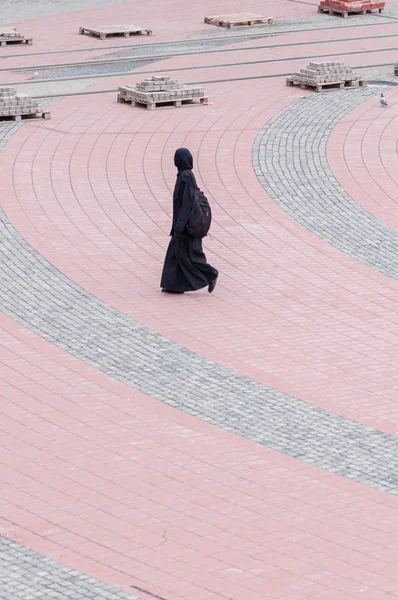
x: 40, y: 297
x: 289, y: 158
x: 26, y: 575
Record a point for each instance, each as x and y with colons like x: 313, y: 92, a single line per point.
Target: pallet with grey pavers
x: 238, y: 20
x: 323, y: 87
x: 9, y: 35
x: 102, y: 32
x: 15, y: 107
x: 161, y: 91
x: 346, y: 13
x: 325, y: 75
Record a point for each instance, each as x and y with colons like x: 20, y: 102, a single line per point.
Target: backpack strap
x: 193, y: 178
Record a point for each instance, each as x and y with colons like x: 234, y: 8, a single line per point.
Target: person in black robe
x: 185, y: 267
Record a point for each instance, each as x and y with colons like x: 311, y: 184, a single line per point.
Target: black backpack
x: 200, y: 218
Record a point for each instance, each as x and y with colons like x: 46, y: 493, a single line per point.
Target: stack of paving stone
x: 159, y: 90
x: 238, y: 20
x: 345, y: 7
x: 323, y: 74
x: 11, y: 35
x: 16, y: 106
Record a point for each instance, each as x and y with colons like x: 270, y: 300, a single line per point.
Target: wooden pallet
x: 9, y: 35
x: 114, y: 30
x: 324, y: 87
x: 42, y: 115
x: 238, y: 20
x: 345, y: 13
x: 4, y: 41
x: 166, y: 103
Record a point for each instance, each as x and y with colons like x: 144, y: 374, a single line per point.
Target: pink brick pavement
x: 187, y: 510
x: 106, y: 480
x: 362, y: 154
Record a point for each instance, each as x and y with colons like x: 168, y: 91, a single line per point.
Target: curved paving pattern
x: 36, y: 294
x: 362, y: 153
x: 50, y: 304
x: 309, y: 311
x: 112, y: 483
x: 119, y: 485
x: 289, y: 158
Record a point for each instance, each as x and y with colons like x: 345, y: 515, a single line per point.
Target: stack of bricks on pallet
x: 17, y: 106
x: 325, y: 72
x: 10, y: 34
x: 352, y: 6
x: 158, y: 89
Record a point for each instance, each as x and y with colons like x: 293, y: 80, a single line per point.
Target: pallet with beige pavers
x: 238, y: 20
x: 347, y: 13
x: 9, y: 35
x: 102, y: 32
x: 305, y: 84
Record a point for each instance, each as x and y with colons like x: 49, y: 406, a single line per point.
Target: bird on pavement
x: 383, y: 100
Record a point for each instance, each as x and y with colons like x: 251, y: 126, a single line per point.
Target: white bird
x: 383, y: 100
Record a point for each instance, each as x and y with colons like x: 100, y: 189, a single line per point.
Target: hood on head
x: 183, y: 159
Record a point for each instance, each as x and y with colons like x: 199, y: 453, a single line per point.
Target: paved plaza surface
x: 235, y: 446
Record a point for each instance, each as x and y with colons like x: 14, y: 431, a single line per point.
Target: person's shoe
x: 212, y: 284
x: 170, y: 292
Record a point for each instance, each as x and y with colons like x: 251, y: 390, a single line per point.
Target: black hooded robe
x: 185, y: 267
